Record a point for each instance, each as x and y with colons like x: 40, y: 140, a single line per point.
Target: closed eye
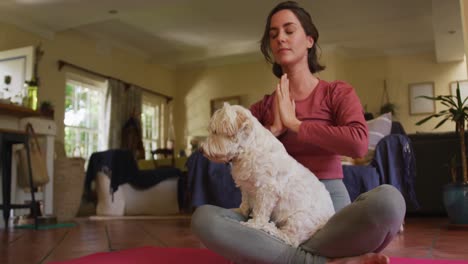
x: 289, y: 30
x: 273, y: 33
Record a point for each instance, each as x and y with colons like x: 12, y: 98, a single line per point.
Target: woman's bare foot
x: 369, y: 258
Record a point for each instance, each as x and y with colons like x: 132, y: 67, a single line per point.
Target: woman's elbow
x: 361, y: 149
x: 359, y: 146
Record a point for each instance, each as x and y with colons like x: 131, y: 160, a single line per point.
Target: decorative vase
x: 456, y: 202
x: 32, y: 97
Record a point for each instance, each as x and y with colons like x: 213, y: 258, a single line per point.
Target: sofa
x: 433, y: 152
x: 125, y: 187
x: 393, y: 163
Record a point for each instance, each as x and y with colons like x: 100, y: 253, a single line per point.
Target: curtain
x: 122, y: 102
x: 171, y: 130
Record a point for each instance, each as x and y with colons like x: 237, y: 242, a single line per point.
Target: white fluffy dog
x: 274, y: 186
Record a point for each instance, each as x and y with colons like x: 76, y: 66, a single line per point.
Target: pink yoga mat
x: 151, y: 255
x: 425, y: 261
x: 158, y: 255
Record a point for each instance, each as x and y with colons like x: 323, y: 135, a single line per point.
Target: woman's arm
x: 349, y: 135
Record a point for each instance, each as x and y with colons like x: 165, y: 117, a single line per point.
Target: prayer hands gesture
x: 284, y: 109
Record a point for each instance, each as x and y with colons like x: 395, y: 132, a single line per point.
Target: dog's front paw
x: 258, y: 224
x: 252, y: 223
x: 244, y: 211
x: 270, y: 228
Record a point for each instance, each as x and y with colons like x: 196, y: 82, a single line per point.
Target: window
x: 152, y: 123
x: 84, y: 115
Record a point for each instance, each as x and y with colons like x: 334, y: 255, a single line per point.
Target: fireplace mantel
x: 17, y: 111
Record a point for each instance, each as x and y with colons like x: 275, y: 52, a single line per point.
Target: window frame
x: 160, y: 123
x: 85, y: 150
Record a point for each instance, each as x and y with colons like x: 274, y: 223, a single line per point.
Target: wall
x: 367, y: 76
x: 193, y: 88
x: 81, y: 50
x: 196, y: 87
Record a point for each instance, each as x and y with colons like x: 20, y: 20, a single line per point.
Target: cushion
x: 345, y: 160
x: 151, y: 164
x: 366, y: 160
x: 379, y: 128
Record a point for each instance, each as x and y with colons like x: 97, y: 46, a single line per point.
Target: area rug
x: 158, y: 255
x: 46, y: 227
x: 140, y: 217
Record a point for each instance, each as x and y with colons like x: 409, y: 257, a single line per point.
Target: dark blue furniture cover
x: 394, y: 164
x: 211, y: 183
x: 121, y: 167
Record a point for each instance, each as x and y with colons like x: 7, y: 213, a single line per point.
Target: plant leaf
x: 424, y: 120
x: 441, y: 122
x: 459, y: 95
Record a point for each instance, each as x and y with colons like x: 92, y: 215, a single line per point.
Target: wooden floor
x: 422, y: 238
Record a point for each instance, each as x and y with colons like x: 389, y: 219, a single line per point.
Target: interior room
x: 120, y: 94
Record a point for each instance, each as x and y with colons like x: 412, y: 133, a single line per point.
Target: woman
x: 317, y: 122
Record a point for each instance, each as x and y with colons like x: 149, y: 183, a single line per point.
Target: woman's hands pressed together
x: 285, y: 108
x: 277, y: 128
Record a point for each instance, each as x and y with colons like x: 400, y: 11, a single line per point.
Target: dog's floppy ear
x: 243, y: 121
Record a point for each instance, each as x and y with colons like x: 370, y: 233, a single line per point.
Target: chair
x: 165, y: 152
x: 7, y: 139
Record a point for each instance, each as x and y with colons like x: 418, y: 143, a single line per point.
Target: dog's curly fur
x: 283, y: 197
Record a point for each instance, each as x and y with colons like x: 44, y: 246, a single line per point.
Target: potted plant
x: 47, y: 109
x: 455, y: 201
x: 388, y: 107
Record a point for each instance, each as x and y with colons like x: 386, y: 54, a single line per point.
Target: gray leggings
x: 366, y: 225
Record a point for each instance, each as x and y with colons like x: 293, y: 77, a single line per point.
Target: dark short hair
x: 309, y: 28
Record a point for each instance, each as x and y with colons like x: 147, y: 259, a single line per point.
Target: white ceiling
x: 181, y: 32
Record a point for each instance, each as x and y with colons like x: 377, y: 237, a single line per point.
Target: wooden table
x: 7, y: 139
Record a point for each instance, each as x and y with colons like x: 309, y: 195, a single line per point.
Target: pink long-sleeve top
x: 332, y: 125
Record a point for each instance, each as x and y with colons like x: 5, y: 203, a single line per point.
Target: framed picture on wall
x: 16, y: 67
x: 218, y: 102
x: 421, y: 106
x: 463, y: 88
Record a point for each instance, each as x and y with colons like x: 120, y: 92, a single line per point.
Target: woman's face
x: 288, y: 41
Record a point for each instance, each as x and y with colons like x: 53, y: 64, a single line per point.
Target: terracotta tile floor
x: 422, y: 238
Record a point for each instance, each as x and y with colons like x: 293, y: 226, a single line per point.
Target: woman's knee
x: 386, y: 202
x: 202, y: 218
x: 209, y: 218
